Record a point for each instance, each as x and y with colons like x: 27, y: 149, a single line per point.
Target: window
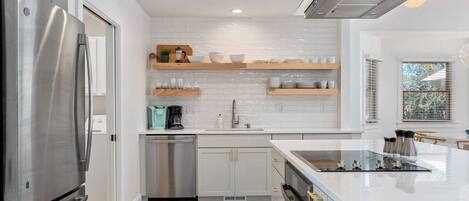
x: 371, y: 99
x: 426, y: 91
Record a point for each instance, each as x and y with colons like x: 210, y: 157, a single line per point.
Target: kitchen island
x: 448, y: 179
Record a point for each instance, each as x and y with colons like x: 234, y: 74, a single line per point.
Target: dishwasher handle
x: 165, y: 139
x: 170, y: 141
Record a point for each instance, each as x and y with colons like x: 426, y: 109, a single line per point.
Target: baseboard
x: 138, y: 198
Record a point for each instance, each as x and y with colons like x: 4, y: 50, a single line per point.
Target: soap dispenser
x: 219, y: 121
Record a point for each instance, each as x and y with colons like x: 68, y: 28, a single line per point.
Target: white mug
x: 195, y: 85
x: 274, y: 82
x: 187, y: 85
x: 165, y: 85
x: 314, y: 59
x: 173, y: 83
x: 323, y: 60
x: 323, y: 84
x: 180, y: 83
x: 331, y: 59
x: 158, y: 85
x: 331, y: 84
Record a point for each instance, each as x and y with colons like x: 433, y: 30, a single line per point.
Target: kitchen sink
x: 235, y: 129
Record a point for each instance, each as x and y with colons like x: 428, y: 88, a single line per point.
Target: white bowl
x: 275, y: 60
x: 196, y: 59
x: 237, y: 58
x: 293, y: 60
x: 216, y: 57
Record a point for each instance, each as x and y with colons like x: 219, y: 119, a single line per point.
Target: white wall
x: 133, y: 40
x: 399, y: 46
x: 258, y: 38
x: 433, y: 16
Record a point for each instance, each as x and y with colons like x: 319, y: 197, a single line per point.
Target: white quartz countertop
x: 265, y: 131
x: 448, y: 181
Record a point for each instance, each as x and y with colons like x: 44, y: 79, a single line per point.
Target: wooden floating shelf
x: 176, y: 92
x: 198, y: 66
x: 245, y: 66
x: 302, y: 92
x: 292, y: 66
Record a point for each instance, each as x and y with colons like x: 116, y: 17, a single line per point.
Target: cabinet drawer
x: 331, y: 136
x: 278, y: 163
x: 246, y: 140
x: 287, y: 137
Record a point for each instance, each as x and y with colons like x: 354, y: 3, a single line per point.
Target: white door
x: 215, y: 171
x: 253, y: 171
x: 101, y: 182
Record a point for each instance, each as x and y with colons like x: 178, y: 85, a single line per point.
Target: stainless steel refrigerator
x: 45, y: 145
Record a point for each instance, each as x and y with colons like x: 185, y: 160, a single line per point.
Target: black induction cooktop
x: 355, y: 161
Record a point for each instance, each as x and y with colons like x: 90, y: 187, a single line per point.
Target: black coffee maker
x: 174, y: 118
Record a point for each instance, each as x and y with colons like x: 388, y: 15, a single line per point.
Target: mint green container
x: 156, y: 117
x: 160, y: 117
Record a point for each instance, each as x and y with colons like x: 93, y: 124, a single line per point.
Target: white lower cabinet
x: 215, y: 172
x: 234, y: 171
x: 253, y: 171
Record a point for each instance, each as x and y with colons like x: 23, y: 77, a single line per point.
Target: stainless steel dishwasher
x: 170, y: 166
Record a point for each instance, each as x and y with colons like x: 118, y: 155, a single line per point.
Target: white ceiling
x: 219, y: 8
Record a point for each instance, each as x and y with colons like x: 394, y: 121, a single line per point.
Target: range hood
x: 349, y: 9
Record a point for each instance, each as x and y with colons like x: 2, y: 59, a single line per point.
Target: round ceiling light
x: 237, y: 11
x: 414, y: 3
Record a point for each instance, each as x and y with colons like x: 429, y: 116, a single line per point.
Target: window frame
x: 449, y: 89
x: 376, y: 98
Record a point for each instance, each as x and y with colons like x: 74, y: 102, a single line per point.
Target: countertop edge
x: 265, y: 132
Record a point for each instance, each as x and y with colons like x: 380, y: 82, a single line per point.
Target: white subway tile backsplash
x: 258, y: 38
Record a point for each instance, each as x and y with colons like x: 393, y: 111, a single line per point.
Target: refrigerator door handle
x: 83, y: 41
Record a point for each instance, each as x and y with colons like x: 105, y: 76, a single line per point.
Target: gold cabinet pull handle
x: 314, y: 196
x: 275, y: 189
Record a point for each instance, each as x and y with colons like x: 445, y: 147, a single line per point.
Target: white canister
x: 323, y: 84
x: 331, y: 59
x: 274, y: 82
x: 331, y: 84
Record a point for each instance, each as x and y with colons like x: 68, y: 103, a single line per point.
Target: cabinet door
x: 253, y: 171
x: 215, y: 172
x: 97, y: 47
x: 100, y: 66
x: 92, y: 41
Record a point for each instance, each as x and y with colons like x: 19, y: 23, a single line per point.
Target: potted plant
x: 164, y: 55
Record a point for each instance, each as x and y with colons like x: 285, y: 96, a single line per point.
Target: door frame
x: 116, y: 76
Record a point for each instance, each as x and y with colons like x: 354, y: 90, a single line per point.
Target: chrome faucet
x: 234, y: 116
